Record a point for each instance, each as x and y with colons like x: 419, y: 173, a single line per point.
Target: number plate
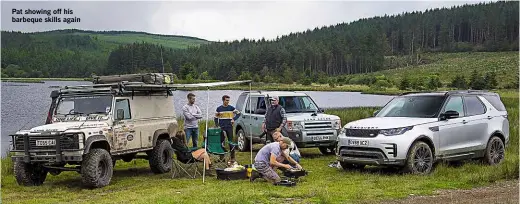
x: 45, y: 142
x: 357, y: 142
x: 320, y: 138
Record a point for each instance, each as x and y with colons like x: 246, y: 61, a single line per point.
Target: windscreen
x: 298, y: 104
x: 84, y: 105
x: 413, y: 106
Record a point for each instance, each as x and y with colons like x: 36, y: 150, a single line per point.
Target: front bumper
x: 376, y: 149
x: 367, y: 156
x: 26, y: 150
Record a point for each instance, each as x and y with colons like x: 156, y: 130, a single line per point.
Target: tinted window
x: 413, y: 106
x: 125, y: 105
x: 496, y: 102
x: 240, y: 102
x: 474, y: 106
x: 254, y: 100
x: 455, y: 104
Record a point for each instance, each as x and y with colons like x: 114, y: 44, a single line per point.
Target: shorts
x: 266, y: 171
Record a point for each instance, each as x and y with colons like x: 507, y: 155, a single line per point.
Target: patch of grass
x: 42, y: 80
x: 133, y: 182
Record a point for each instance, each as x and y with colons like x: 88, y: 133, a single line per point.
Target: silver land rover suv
x: 415, y: 130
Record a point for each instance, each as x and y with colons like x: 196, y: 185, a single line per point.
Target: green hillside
x: 448, y: 65
x: 75, y: 53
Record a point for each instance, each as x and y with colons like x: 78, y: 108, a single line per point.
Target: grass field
x: 134, y: 183
x: 129, y: 38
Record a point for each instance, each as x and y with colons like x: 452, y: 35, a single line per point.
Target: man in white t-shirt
x: 292, y: 150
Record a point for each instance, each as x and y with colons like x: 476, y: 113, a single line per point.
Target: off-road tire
x: 243, y: 142
x: 348, y: 166
x: 29, y: 174
x: 97, y: 168
x: 327, y: 150
x: 495, y: 151
x: 419, y: 159
x: 161, y: 159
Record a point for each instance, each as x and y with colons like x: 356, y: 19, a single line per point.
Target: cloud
x: 212, y: 20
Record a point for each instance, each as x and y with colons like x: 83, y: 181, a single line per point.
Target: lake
x: 25, y: 105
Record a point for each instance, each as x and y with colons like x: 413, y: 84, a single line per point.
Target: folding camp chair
x: 218, y: 155
x: 190, y: 165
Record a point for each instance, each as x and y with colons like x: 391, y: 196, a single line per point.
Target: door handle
x: 489, y: 117
x: 244, y: 116
x: 256, y: 118
x: 464, y: 122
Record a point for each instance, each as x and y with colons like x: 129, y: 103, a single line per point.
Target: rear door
x: 251, y: 116
x: 476, y: 127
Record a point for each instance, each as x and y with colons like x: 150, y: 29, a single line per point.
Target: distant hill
x: 72, y: 52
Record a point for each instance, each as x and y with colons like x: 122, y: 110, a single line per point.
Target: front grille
x: 318, y: 125
x: 67, y: 142
x: 361, y: 132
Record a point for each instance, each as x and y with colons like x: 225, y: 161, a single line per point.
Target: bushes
x: 459, y: 82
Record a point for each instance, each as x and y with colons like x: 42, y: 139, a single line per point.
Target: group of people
x: 280, y: 153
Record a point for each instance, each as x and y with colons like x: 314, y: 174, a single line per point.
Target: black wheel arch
x: 96, y: 141
x: 161, y: 134
x: 428, y: 141
x: 500, y: 135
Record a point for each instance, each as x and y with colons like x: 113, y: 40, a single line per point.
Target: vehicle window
x: 412, y: 106
x: 261, y: 103
x: 125, y: 105
x: 298, y: 104
x: 474, y: 106
x: 254, y: 100
x: 496, y: 102
x: 241, y: 101
x: 455, y: 104
x: 84, y: 105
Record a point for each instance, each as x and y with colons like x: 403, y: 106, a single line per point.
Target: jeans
x: 194, y: 134
x: 293, y: 156
x: 229, y: 133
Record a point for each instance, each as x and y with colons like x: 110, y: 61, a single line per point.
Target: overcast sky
x: 211, y: 20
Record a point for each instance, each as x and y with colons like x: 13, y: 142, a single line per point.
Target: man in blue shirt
x: 225, y: 116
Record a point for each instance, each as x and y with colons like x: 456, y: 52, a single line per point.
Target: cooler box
x: 231, y: 175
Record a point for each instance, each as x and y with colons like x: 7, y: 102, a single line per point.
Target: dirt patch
x: 500, y: 192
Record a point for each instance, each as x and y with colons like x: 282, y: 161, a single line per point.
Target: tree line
x: 363, y: 46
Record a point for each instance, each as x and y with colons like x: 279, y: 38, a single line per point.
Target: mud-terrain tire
x: 29, y: 174
x: 243, y: 142
x: 495, y: 151
x: 97, y: 168
x: 327, y: 150
x: 419, y: 159
x: 161, y: 159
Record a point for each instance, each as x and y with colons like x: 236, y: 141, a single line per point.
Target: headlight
x: 395, y: 131
x: 294, y: 125
x: 343, y: 131
x: 336, y: 124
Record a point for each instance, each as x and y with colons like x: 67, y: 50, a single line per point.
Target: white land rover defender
x: 306, y: 125
x: 92, y: 126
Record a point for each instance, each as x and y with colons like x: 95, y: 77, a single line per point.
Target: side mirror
x: 449, y: 115
x: 54, y: 94
x: 120, y: 114
x: 375, y: 113
x: 321, y: 110
x: 260, y: 111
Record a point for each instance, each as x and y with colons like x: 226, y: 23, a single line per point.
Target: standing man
x: 275, y: 119
x: 192, y: 114
x: 224, y: 118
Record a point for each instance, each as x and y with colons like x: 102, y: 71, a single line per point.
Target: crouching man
x: 266, y: 160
